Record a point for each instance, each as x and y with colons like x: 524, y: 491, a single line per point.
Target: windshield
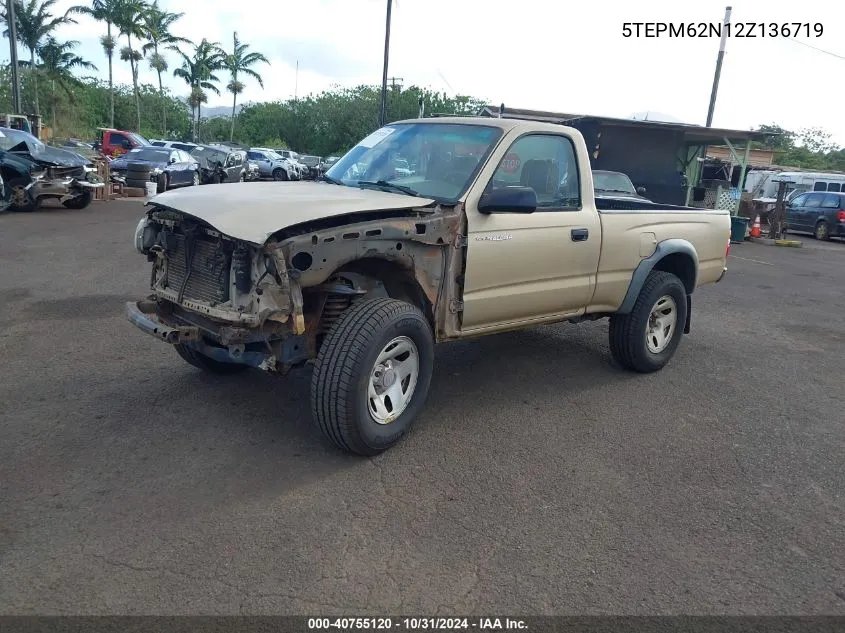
x: 311, y: 161
x: 152, y: 155
x: 139, y: 139
x: 433, y: 160
x: 612, y: 181
x: 9, y: 138
x: 209, y: 153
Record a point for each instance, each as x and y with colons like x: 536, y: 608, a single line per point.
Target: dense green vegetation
x: 809, y: 148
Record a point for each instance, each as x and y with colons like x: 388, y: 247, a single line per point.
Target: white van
x: 808, y: 181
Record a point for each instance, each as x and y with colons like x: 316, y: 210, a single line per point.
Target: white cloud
x: 542, y: 54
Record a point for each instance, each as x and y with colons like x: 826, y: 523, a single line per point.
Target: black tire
x: 280, y: 174
x: 25, y: 202
x: 822, y: 231
x: 162, y: 183
x: 79, y: 202
x: 193, y: 357
x: 628, y: 331
x: 342, y: 373
x: 138, y: 184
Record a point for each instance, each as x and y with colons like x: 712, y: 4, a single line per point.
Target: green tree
x: 104, y: 11
x: 240, y: 62
x: 198, y: 72
x: 58, y: 61
x: 157, y: 24
x: 34, y: 24
x: 129, y: 21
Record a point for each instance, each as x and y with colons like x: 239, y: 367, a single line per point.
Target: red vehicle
x: 114, y: 143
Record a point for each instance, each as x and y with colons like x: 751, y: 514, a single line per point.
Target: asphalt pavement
x: 540, y: 478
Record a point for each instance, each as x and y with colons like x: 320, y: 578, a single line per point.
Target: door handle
x: 580, y: 235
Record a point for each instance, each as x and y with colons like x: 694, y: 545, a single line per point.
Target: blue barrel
x: 738, y: 228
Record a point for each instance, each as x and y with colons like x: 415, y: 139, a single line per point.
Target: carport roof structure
x: 695, y: 137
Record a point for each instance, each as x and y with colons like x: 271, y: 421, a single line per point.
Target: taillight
x: 841, y: 216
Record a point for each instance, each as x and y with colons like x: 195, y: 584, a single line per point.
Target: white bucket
x: 152, y: 189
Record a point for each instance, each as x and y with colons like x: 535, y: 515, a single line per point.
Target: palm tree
x: 157, y: 24
x: 240, y: 62
x: 57, y: 64
x: 34, y: 23
x: 198, y: 72
x: 103, y: 11
x: 128, y: 20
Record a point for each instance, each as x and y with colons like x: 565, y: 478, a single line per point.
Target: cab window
x: 547, y: 164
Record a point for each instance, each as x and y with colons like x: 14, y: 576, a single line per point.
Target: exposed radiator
x: 209, y: 279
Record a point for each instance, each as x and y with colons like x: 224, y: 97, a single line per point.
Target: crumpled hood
x: 52, y: 156
x: 254, y: 211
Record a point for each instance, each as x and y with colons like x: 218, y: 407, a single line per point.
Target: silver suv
x: 271, y: 165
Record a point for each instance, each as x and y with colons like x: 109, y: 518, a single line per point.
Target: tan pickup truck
x: 428, y: 230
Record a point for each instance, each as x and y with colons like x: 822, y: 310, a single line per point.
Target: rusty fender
x: 417, y: 244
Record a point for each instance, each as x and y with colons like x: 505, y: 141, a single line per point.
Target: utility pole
x: 383, y: 109
x: 13, y: 53
x: 725, y: 28
x: 394, y: 81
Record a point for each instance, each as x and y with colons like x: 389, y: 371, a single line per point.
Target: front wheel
x: 79, y: 202
x: 21, y: 199
x: 195, y: 181
x: 280, y: 174
x: 646, y: 339
x: 372, y: 375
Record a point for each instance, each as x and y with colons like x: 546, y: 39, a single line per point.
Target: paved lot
x: 541, y: 479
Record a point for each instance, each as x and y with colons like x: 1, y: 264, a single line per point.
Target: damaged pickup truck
x: 496, y: 228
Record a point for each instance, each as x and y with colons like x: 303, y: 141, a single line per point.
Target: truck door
x: 541, y: 265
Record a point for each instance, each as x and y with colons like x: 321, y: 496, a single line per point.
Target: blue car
x: 163, y: 165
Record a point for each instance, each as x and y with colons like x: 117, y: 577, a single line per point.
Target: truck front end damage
x: 268, y: 306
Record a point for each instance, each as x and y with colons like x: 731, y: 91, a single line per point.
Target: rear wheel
x: 821, y: 231
x: 79, y: 202
x: 372, y: 375
x: 21, y: 199
x: 646, y: 339
x: 193, y: 357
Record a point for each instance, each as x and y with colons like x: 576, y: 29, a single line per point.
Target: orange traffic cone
x: 756, y: 231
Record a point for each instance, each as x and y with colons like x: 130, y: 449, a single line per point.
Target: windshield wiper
x: 334, y: 181
x: 616, y: 190
x: 389, y: 185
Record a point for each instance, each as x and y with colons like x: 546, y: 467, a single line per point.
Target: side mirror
x: 515, y: 199
x: 172, y: 159
x: 641, y: 191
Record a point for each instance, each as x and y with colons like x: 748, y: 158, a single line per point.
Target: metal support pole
x: 13, y: 54
x: 743, y: 167
x: 383, y: 110
x: 725, y: 28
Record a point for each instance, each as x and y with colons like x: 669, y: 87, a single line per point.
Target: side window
x: 547, y: 164
x: 256, y: 156
x: 831, y: 202
x: 833, y: 186
x: 799, y: 201
x: 157, y: 143
x: 120, y: 140
x: 820, y: 186
x: 814, y: 200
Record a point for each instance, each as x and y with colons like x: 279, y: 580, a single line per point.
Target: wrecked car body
x: 35, y: 172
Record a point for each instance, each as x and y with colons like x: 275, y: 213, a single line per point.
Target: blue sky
x: 542, y: 54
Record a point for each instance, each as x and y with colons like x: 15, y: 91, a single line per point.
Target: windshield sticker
x: 377, y: 137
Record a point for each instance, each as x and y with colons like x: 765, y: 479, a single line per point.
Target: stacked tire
x: 137, y: 175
